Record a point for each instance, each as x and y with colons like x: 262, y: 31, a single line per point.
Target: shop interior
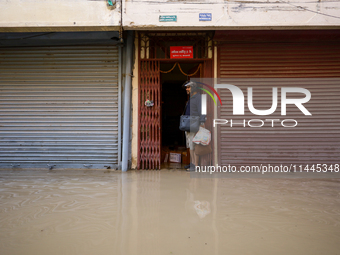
x: 174, y: 97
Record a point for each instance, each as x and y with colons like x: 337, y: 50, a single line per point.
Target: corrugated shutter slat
x: 59, y: 105
x: 315, y: 66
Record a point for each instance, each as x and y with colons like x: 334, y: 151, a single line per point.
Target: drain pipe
x: 127, y: 100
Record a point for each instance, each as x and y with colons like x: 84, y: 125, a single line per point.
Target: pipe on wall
x: 127, y: 100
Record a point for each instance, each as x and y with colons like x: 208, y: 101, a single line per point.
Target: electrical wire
x: 240, y: 2
x: 306, y: 9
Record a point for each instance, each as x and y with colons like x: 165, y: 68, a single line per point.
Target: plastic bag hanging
x: 203, y: 136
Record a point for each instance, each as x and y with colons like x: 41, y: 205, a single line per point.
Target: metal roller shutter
x: 59, y: 106
x: 316, y: 138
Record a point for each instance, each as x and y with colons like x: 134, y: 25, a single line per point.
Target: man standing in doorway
x: 193, y: 107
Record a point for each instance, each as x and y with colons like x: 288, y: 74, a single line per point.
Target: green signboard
x: 168, y: 18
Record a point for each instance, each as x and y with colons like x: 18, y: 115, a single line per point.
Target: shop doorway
x: 160, y: 92
x: 174, y: 98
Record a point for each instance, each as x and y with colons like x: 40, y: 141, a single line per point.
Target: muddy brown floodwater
x: 165, y: 212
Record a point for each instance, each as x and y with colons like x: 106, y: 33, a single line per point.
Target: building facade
x: 63, y: 79
x: 268, y: 40
x: 60, y: 65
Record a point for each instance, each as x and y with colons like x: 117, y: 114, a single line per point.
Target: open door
x: 149, y: 119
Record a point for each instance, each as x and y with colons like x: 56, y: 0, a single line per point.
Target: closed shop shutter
x: 262, y: 66
x: 59, y: 106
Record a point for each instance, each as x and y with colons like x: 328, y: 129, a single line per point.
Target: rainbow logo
x: 208, y: 92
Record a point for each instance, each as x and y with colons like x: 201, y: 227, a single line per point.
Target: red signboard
x: 181, y: 52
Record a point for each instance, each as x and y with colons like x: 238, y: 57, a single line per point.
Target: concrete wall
x: 58, y: 15
x: 97, y: 15
x: 232, y: 14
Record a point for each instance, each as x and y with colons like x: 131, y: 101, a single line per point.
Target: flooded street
x: 165, y: 212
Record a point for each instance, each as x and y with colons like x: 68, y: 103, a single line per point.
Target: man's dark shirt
x: 193, y: 107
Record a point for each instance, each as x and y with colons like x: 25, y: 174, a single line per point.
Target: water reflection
x: 165, y: 212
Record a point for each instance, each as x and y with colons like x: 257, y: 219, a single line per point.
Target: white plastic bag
x: 203, y: 136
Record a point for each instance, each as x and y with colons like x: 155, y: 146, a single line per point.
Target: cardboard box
x: 175, y: 157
